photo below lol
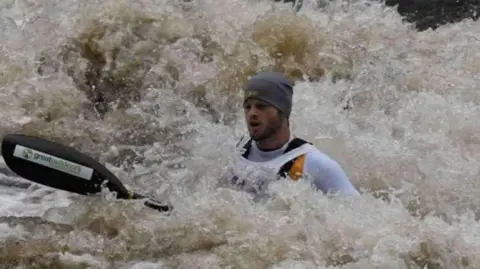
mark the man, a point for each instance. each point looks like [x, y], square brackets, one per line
[272, 148]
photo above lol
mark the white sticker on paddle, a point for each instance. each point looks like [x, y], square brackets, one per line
[53, 162]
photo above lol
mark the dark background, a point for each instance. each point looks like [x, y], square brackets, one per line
[428, 14]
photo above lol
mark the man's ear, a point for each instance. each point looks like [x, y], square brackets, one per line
[283, 116]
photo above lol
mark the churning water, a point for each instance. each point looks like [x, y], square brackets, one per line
[151, 88]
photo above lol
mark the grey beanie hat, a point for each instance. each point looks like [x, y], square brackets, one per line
[273, 88]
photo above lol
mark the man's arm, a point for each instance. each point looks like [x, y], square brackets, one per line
[327, 175]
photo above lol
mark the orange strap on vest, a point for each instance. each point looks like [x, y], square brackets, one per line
[297, 168]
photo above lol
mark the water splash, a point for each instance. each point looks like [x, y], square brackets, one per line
[152, 89]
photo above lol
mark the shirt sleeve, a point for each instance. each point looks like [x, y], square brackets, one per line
[327, 175]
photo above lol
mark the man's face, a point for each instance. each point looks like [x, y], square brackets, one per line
[263, 120]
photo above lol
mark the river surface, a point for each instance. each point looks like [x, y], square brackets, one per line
[151, 89]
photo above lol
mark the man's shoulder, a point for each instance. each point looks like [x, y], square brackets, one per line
[317, 159]
[327, 174]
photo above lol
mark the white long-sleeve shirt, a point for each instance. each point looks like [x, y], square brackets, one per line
[325, 173]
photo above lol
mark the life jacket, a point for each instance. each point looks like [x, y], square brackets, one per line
[290, 163]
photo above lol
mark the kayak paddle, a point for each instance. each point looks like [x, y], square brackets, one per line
[61, 167]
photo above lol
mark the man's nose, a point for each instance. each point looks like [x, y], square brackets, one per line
[252, 111]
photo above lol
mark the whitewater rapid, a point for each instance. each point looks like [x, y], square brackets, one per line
[151, 89]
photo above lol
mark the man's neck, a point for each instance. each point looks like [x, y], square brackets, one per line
[274, 143]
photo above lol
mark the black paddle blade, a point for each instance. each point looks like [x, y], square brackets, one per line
[58, 166]
[61, 167]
